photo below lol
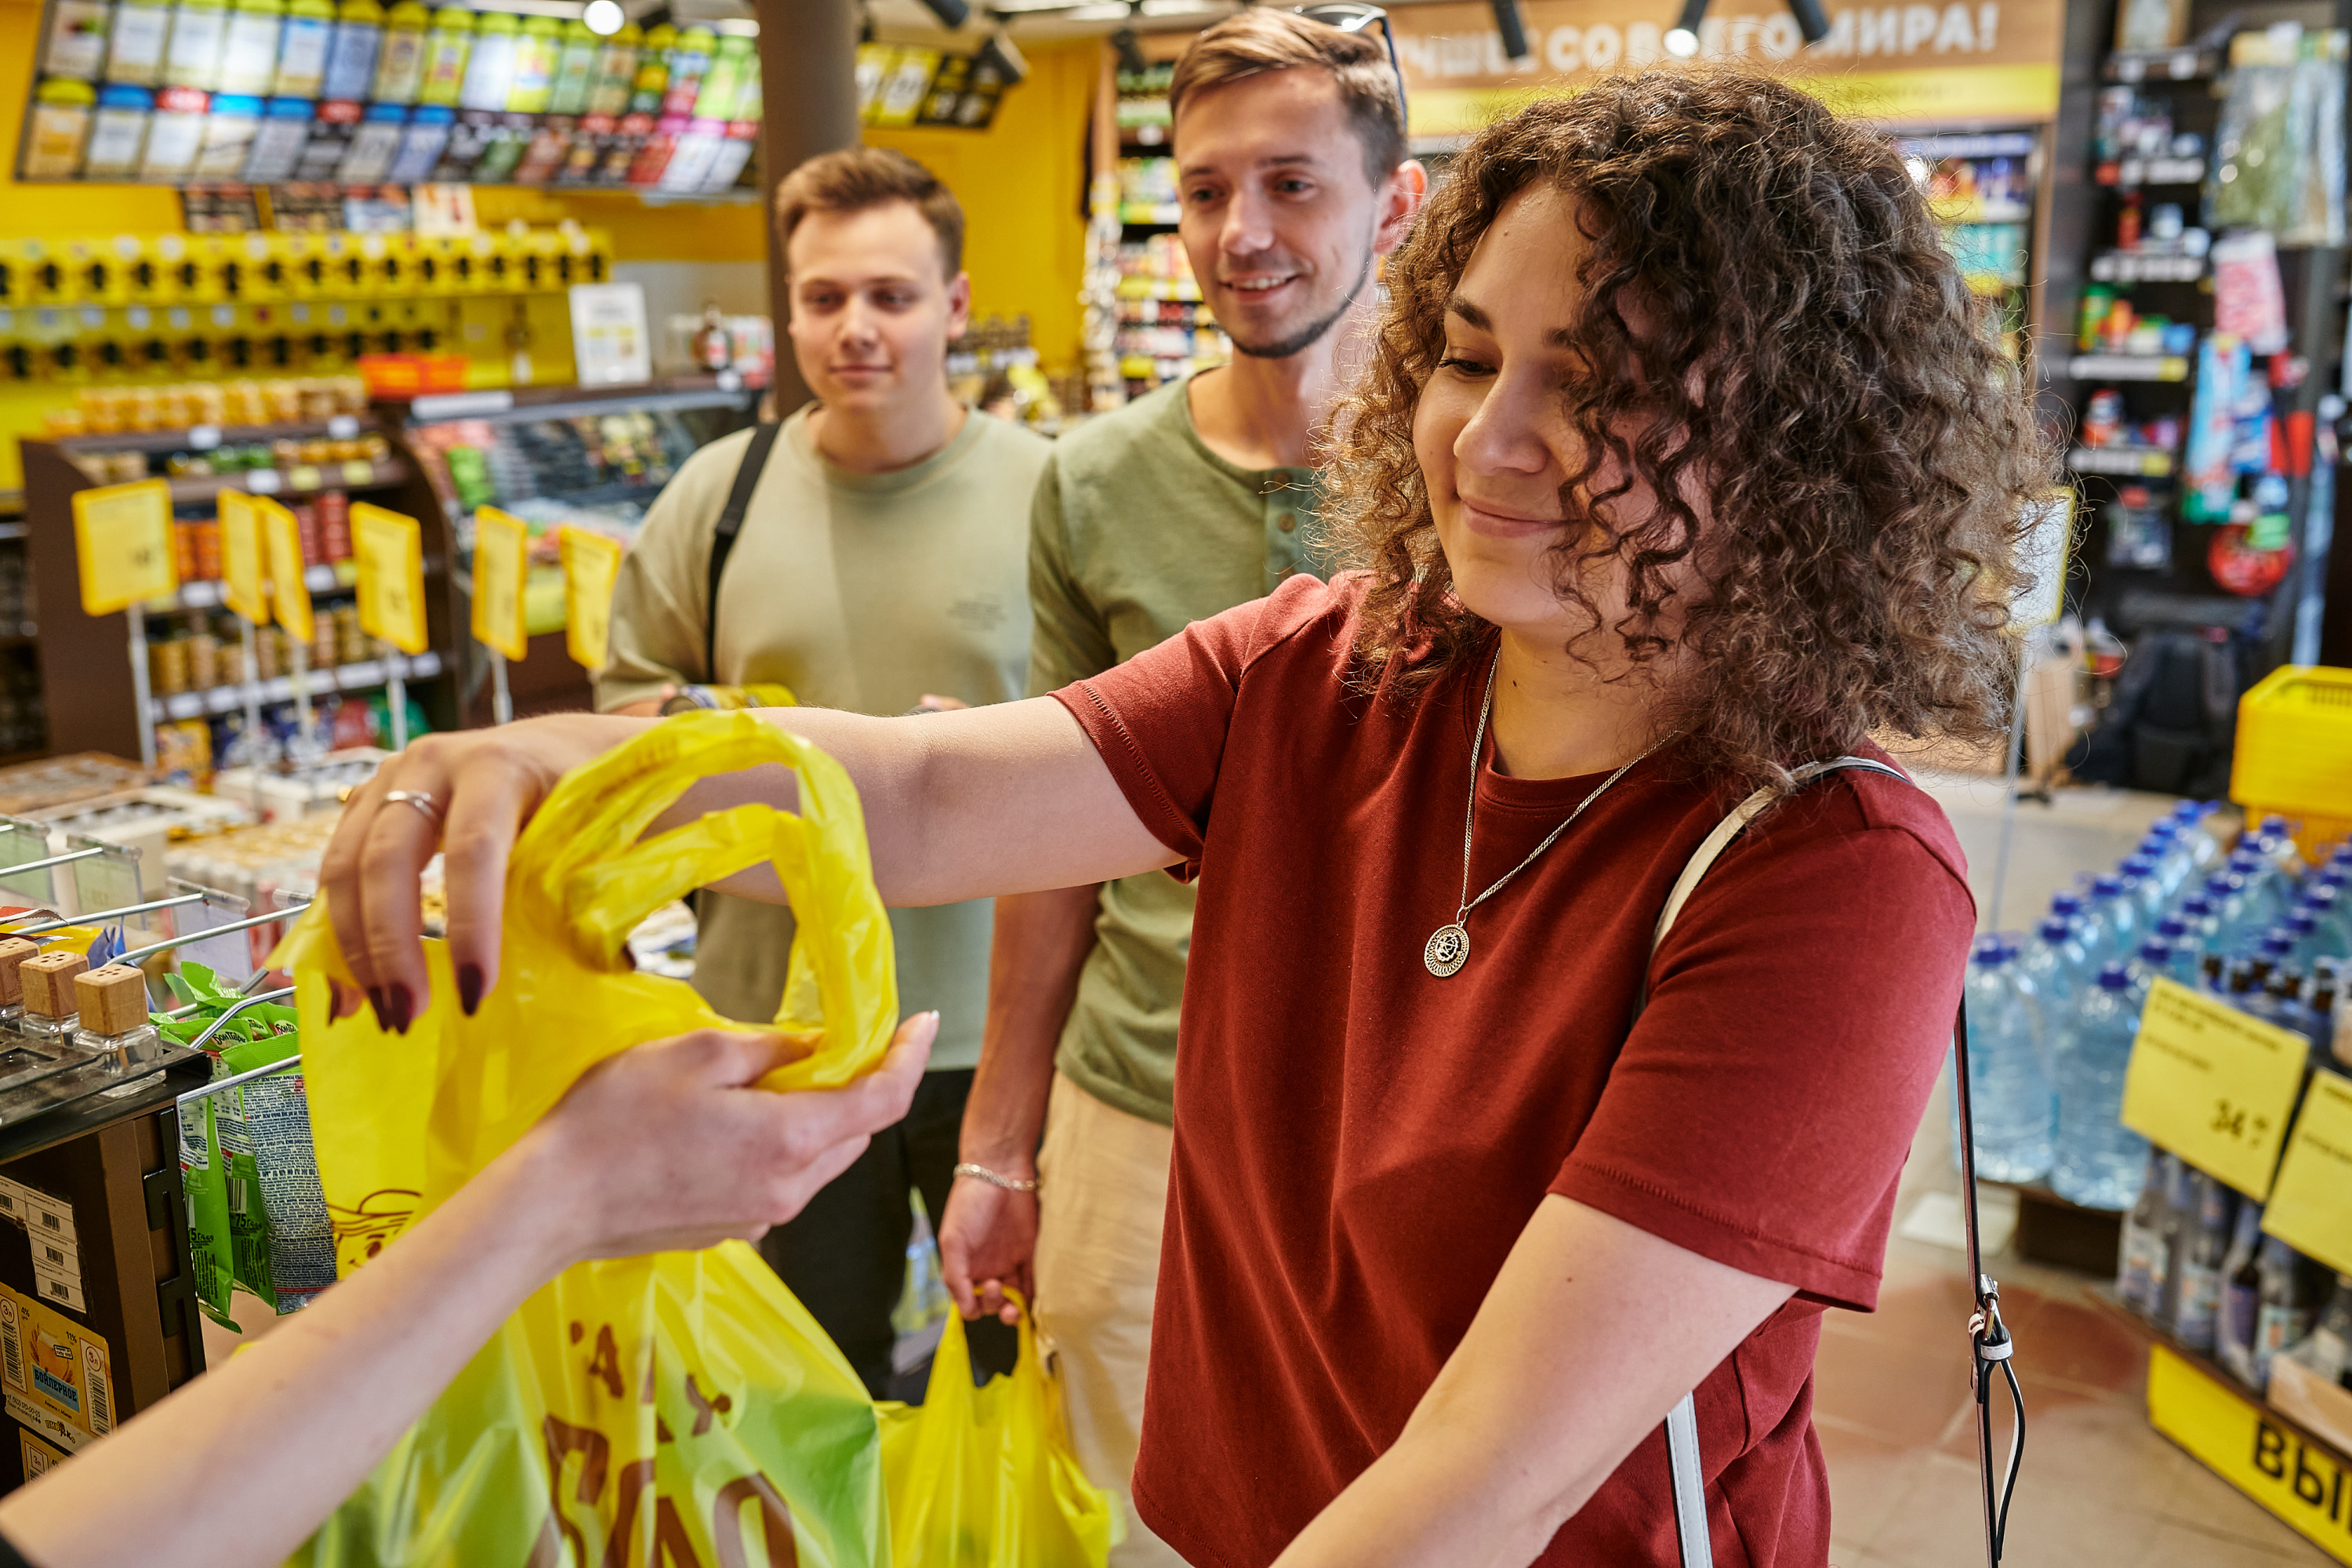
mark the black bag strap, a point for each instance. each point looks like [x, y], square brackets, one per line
[1991, 1347]
[722, 542]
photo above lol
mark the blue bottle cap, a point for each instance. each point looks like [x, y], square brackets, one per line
[2114, 977]
[2300, 923]
[2278, 941]
[2172, 928]
[2065, 906]
[2137, 866]
[2196, 904]
[2056, 931]
[2274, 824]
[1988, 949]
[2153, 952]
[2106, 885]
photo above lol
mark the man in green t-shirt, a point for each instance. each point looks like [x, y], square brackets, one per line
[1289, 144]
[879, 567]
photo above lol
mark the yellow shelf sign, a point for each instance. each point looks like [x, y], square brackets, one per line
[390, 551]
[2299, 1480]
[501, 555]
[591, 563]
[2213, 1085]
[2311, 1203]
[122, 545]
[244, 572]
[281, 536]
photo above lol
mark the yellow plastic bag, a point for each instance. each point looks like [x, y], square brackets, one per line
[681, 1409]
[983, 1477]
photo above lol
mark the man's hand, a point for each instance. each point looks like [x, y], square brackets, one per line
[988, 1238]
[670, 1147]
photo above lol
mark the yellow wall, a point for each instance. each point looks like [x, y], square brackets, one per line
[1023, 185]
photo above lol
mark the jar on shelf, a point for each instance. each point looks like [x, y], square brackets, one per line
[167, 665]
[204, 660]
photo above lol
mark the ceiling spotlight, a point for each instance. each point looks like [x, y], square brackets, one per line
[1681, 39]
[1000, 54]
[1131, 52]
[603, 17]
[1811, 20]
[1513, 30]
[952, 14]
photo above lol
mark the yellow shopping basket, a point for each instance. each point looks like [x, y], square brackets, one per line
[2295, 753]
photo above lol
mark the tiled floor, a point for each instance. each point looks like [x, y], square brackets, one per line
[2098, 1487]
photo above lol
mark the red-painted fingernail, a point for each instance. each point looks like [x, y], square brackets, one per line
[375, 1000]
[398, 1005]
[470, 987]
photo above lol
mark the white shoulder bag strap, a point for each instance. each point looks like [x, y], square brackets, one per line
[1682, 1421]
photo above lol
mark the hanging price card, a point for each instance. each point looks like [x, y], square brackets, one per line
[2311, 1203]
[244, 567]
[501, 555]
[123, 544]
[282, 538]
[2213, 1085]
[390, 552]
[590, 561]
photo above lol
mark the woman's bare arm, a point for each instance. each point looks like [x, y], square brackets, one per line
[1006, 799]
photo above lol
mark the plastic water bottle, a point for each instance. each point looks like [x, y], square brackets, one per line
[2139, 1277]
[2331, 913]
[2009, 1090]
[2110, 928]
[2237, 910]
[2098, 1161]
[2067, 907]
[2139, 872]
[2055, 967]
[2176, 859]
[2197, 836]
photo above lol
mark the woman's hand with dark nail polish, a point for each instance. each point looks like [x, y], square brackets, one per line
[470, 987]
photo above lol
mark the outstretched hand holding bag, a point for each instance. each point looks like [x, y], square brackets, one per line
[681, 1407]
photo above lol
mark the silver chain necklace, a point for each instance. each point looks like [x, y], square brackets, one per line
[1448, 947]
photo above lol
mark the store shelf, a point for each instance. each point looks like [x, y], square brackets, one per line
[2188, 63]
[2133, 266]
[206, 594]
[1958, 210]
[2129, 367]
[366, 676]
[2139, 462]
[205, 437]
[307, 479]
[1181, 290]
[2131, 173]
[1157, 214]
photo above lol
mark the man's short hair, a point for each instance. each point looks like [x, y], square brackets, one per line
[1263, 39]
[857, 178]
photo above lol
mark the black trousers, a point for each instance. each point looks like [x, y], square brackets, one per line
[845, 1255]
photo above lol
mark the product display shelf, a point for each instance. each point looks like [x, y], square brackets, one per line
[1163, 329]
[2276, 1458]
[555, 456]
[86, 679]
[2156, 555]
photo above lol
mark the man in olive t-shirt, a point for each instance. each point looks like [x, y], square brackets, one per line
[1289, 143]
[880, 569]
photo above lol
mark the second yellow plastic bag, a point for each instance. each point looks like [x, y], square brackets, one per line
[681, 1408]
[983, 1477]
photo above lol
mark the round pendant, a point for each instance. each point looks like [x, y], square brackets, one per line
[1446, 951]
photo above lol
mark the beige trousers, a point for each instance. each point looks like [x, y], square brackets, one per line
[1102, 1195]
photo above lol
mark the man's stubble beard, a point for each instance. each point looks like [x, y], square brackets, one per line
[1308, 336]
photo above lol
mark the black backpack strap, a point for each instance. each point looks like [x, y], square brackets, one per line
[722, 542]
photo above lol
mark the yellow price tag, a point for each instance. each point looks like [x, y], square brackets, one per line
[281, 535]
[501, 555]
[244, 570]
[2213, 1085]
[590, 561]
[390, 552]
[2270, 1461]
[123, 544]
[2311, 1203]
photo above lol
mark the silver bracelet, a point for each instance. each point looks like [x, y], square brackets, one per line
[993, 1179]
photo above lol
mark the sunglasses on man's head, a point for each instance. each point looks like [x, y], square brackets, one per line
[1351, 17]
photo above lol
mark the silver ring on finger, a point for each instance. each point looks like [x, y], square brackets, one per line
[422, 800]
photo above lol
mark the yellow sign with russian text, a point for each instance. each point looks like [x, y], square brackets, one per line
[244, 572]
[591, 563]
[281, 532]
[501, 555]
[389, 550]
[2301, 1481]
[2311, 1201]
[2213, 1085]
[122, 545]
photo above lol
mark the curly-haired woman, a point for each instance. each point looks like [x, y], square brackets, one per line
[1684, 461]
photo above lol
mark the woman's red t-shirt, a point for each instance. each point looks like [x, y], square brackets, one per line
[1358, 1143]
